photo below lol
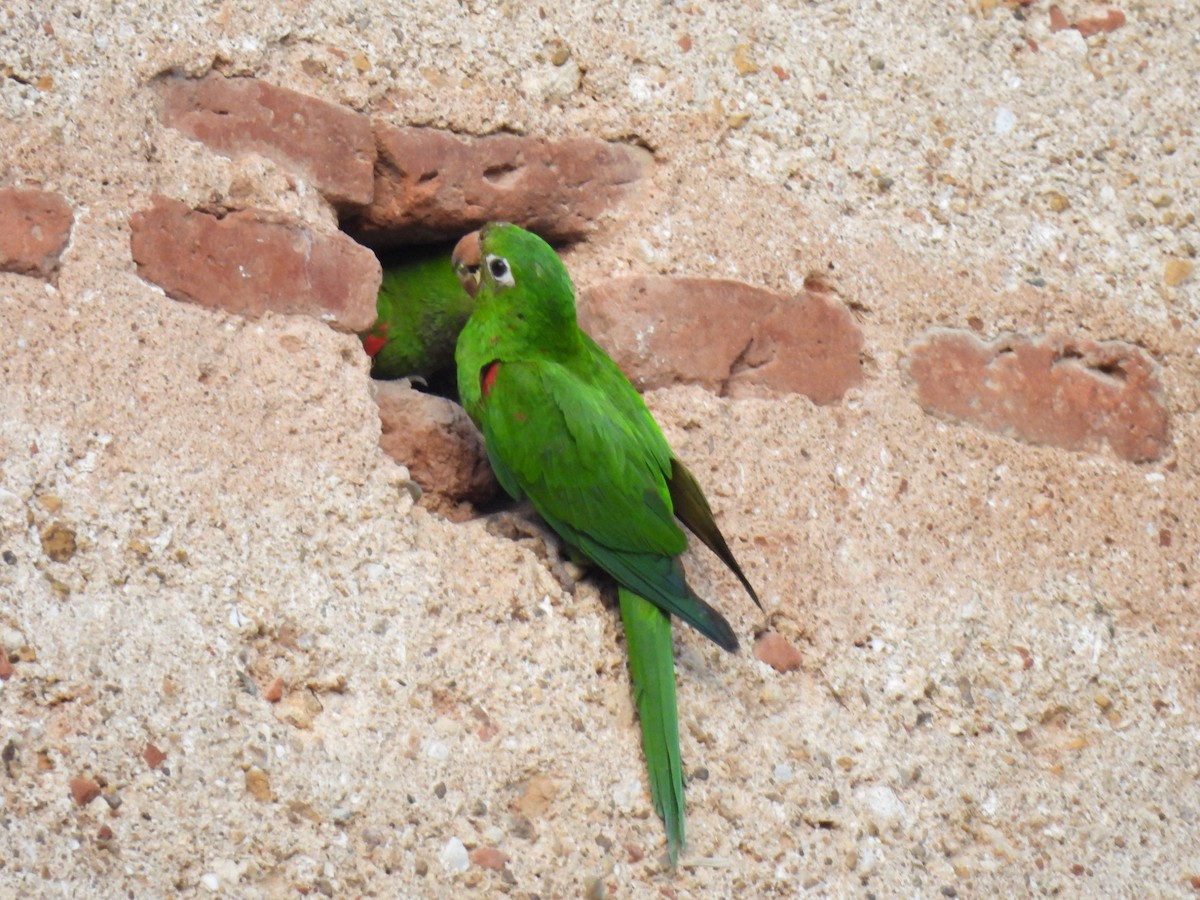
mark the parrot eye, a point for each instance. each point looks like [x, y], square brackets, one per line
[498, 267]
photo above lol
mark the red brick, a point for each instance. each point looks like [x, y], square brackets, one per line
[726, 336]
[1075, 394]
[84, 790]
[442, 449]
[252, 261]
[434, 185]
[34, 229]
[330, 145]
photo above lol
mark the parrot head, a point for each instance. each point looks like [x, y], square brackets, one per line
[502, 259]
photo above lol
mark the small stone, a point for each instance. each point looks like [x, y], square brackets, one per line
[84, 790]
[559, 54]
[1177, 271]
[104, 835]
[1057, 202]
[258, 783]
[274, 691]
[884, 807]
[298, 709]
[454, 857]
[58, 542]
[777, 652]
[743, 60]
[328, 683]
[1004, 121]
[489, 858]
[521, 827]
[539, 793]
[1110, 21]
[1058, 21]
[6, 666]
[153, 756]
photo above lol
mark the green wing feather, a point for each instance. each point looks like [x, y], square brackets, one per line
[600, 484]
[652, 669]
[692, 509]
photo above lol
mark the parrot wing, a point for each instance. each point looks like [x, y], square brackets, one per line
[598, 476]
[687, 498]
[692, 509]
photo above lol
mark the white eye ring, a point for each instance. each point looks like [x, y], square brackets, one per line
[499, 269]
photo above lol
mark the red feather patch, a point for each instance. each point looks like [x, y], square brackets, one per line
[375, 341]
[487, 378]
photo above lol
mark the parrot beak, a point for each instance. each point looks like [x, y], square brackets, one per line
[466, 258]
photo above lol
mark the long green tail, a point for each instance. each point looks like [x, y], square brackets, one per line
[652, 668]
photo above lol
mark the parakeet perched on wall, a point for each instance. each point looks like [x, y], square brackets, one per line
[565, 429]
[420, 310]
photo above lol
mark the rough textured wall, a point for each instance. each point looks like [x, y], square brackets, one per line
[239, 660]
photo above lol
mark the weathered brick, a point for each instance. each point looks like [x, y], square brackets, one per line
[434, 185]
[726, 336]
[35, 226]
[252, 261]
[1075, 394]
[330, 145]
[433, 437]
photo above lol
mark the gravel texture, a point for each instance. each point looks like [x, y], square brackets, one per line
[999, 686]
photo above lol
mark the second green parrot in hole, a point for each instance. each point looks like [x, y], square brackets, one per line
[420, 309]
[566, 429]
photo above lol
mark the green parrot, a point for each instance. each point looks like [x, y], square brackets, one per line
[420, 310]
[565, 428]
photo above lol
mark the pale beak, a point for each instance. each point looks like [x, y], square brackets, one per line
[466, 259]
